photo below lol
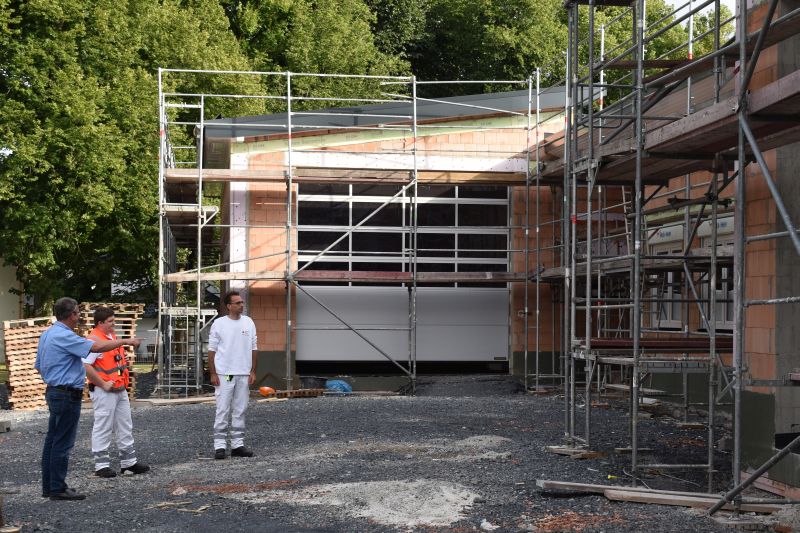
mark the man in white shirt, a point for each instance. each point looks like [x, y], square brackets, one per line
[232, 365]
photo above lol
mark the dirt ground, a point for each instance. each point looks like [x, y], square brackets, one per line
[463, 454]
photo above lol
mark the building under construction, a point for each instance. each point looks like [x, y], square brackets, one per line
[630, 229]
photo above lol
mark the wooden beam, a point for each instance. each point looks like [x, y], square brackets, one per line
[191, 175]
[178, 277]
[547, 484]
[348, 175]
[450, 177]
[701, 502]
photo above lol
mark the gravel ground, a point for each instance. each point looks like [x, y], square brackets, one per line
[462, 455]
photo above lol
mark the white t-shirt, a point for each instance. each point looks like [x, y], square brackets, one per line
[234, 342]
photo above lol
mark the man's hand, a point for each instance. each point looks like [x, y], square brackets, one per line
[107, 386]
[135, 342]
[214, 379]
[252, 378]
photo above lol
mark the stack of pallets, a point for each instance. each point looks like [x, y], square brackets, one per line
[126, 317]
[26, 388]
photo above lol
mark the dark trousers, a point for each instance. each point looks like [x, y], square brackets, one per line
[65, 411]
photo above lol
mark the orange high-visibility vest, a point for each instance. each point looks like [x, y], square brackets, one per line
[112, 366]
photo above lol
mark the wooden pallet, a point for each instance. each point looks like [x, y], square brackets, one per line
[21, 337]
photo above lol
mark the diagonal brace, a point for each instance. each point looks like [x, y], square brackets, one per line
[353, 329]
[776, 195]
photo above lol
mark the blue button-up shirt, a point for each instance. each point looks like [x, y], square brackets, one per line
[58, 358]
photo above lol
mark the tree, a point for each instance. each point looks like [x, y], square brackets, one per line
[671, 43]
[78, 133]
[321, 36]
[399, 25]
[489, 39]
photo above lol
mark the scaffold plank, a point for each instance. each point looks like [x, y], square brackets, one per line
[179, 277]
[690, 345]
[191, 175]
[354, 276]
[711, 130]
[347, 175]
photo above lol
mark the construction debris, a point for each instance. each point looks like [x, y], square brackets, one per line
[272, 400]
[299, 393]
[575, 453]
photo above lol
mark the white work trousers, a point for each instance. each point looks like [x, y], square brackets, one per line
[112, 412]
[232, 397]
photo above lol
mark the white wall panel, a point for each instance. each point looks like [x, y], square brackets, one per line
[454, 324]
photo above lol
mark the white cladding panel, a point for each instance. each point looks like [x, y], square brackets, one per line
[453, 324]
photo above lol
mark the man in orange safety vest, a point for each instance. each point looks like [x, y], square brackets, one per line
[112, 408]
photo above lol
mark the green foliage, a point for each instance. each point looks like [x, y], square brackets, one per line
[79, 111]
[79, 132]
[488, 39]
[399, 26]
[320, 36]
[671, 42]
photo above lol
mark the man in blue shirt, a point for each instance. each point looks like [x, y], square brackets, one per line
[59, 361]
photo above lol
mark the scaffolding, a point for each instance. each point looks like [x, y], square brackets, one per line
[626, 160]
[623, 172]
[189, 216]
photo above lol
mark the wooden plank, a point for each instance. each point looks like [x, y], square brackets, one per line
[627, 388]
[178, 401]
[547, 484]
[700, 502]
[690, 425]
[457, 178]
[772, 486]
[190, 175]
[225, 276]
[574, 453]
[349, 175]
[300, 393]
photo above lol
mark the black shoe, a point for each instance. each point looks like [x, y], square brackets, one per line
[105, 472]
[219, 453]
[69, 494]
[45, 494]
[241, 451]
[137, 468]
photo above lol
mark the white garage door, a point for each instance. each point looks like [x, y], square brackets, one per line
[454, 324]
[459, 229]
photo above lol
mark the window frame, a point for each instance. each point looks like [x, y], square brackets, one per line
[352, 258]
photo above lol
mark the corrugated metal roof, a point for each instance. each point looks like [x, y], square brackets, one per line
[384, 113]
